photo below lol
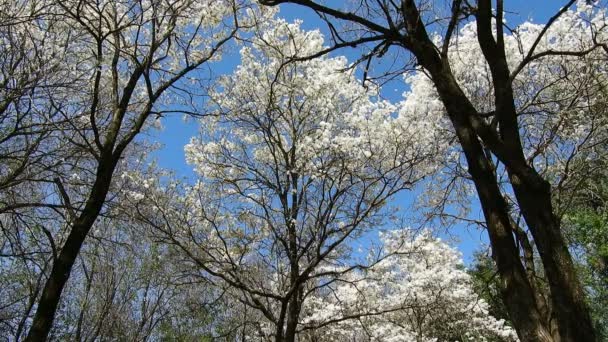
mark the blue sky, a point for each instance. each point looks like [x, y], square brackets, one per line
[176, 133]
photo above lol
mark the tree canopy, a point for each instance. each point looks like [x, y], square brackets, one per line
[292, 226]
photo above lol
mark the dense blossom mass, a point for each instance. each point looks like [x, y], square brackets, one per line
[420, 292]
[303, 159]
[559, 98]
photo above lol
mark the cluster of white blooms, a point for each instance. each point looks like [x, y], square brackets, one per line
[311, 108]
[419, 292]
[296, 148]
[136, 28]
[301, 130]
[123, 38]
[559, 97]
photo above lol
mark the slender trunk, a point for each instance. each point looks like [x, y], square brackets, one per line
[30, 304]
[280, 332]
[62, 267]
[85, 303]
[567, 296]
[293, 310]
[292, 317]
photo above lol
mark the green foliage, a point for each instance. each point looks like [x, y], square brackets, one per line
[586, 227]
[486, 284]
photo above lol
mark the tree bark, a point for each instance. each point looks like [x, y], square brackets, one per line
[532, 192]
[292, 317]
[293, 310]
[567, 296]
[516, 290]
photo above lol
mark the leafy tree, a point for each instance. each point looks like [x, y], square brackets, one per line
[586, 227]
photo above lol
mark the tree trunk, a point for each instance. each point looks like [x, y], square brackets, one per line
[516, 290]
[533, 197]
[293, 310]
[62, 267]
[532, 192]
[292, 317]
[567, 296]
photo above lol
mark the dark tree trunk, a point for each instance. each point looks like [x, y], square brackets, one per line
[62, 267]
[517, 292]
[567, 296]
[280, 331]
[532, 192]
[293, 309]
[292, 317]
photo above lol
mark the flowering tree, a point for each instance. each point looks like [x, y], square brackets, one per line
[125, 285]
[561, 111]
[420, 292]
[122, 63]
[296, 161]
[31, 69]
[29, 73]
[497, 119]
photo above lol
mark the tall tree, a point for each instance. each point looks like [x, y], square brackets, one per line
[119, 61]
[296, 162]
[485, 135]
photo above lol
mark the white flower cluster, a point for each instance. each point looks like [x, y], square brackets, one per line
[559, 97]
[302, 117]
[420, 292]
